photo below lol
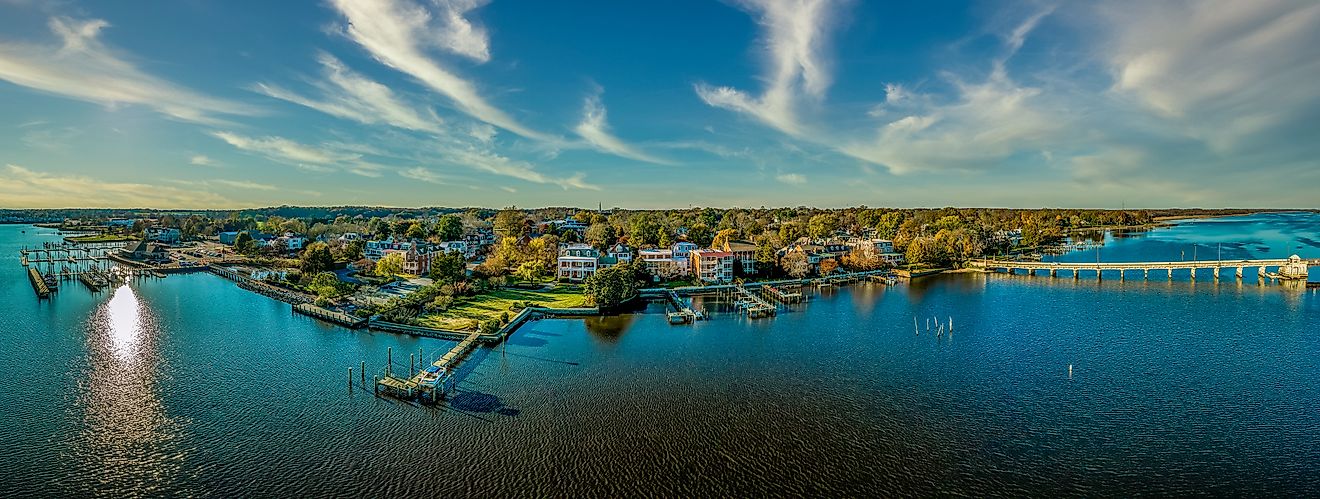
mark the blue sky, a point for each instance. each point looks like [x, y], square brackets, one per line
[659, 104]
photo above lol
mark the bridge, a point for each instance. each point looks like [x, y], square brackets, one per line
[1293, 267]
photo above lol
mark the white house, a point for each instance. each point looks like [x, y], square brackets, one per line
[577, 262]
[166, 235]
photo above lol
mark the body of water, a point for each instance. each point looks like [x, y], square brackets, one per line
[191, 386]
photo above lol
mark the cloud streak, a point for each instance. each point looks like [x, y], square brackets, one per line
[398, 33]
[34, 189]
[81, 67]
[797, 68]
[349, 95]
[596, 131]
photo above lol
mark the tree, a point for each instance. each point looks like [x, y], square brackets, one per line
[643, 229]
[791, 231]
[765, 254]
[822, 226]
[927, 250]
[828, 266]
[601, 235]
[611, 286]
[450, 267]
[390, 265]
[326, 285]
[700, 234]
[316, 258]
[449, 228]
[351, 251]
[722, 238]
[244, 243]
[511, 223]
[416, 231]
[887, 226]
[795, 264]
[530, 270]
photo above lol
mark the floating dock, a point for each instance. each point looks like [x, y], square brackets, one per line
[38, 283]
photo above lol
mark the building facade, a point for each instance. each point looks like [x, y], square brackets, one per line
[710, 265]
[577, 262]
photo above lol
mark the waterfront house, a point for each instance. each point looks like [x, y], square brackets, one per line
[712, 265]
[660, 262]
[577, 262]
[143, 251]
[682, 248]
[620, 252]
[744, 254]
[163, 235]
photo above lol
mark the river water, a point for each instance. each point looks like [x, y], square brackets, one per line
[191, 386]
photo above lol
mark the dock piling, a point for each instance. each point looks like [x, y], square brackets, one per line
[389, 359]
[350, 376]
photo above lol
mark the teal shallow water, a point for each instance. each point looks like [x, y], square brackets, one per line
[192, 386]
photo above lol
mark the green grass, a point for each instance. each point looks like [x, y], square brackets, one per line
[100, 238]
[467, 312]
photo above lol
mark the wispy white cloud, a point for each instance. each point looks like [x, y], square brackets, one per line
[244, 184]
[398, 33]
[596, 131]
[1223, 70]
[81, 67]
[795, 33]
[285, 150]
[792, 178]
[424, 175]
[201, 160]
[349, 95]
[35, 189]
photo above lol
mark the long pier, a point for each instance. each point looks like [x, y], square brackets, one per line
[1286, 268]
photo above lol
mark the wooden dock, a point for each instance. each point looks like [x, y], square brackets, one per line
[330, 316]
[754, 306]
[430, 384]
[781, 295]
[38, 283]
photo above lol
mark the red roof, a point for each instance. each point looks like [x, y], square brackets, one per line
[712, 253]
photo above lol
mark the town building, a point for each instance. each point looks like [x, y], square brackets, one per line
[163, 235]
[143, 251]
[744, 253]
[711, 265]
[460, 247]
[682, 248]
[289, 241]
[620, 252]
[577, 262]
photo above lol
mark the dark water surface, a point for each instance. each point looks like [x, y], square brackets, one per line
[192, 386]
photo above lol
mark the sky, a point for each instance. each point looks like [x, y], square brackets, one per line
[493, 103]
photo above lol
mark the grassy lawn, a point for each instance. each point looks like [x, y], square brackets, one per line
[100, 238]
[467, 312]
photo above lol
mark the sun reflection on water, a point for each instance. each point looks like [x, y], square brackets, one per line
[128, 441]
[125, 323]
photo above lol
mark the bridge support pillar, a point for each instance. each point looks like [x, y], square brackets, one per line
[1216, 273]
[1031, 272]
[1076, 273]
[1145, 274]
[1170, 271]
[1054, 272]
[1239, 272]
[1193, 273]
[1098, 273]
